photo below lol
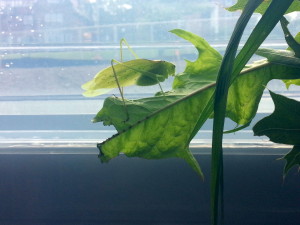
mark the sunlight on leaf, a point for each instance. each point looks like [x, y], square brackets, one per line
[243, 97]
[177, 113]
[279, 56]
[246, 91]
[288, 83]
[194, 86]
[113, 112]
[240, 5]
[198, 74]
[147, 115]
[141, 72]
[163, 134]
[201, 72]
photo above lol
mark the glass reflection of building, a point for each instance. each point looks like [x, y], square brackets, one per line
[80, 21]
[40, 21]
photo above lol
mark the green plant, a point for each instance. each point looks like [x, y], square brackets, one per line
[213, 86]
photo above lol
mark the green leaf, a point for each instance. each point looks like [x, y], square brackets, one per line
[297, 38]
[198, 74]
[283, 125]
[240, 5]
[292, 159]
[114, 113]
[148, 115]
[286, 57]
[265, 25]
[249, 86]
[245, 92]
[164, 134]
[201, 72]
[288, 83]
[169, 105]
[141, 72]
[279, 56]
[290, 40]
[243, 98]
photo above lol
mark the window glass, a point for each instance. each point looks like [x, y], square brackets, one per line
[49, 48]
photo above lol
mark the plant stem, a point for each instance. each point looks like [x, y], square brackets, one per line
[222, 86]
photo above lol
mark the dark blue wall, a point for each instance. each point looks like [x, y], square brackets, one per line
[78, 189]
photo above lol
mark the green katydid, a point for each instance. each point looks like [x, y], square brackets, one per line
[141, 72]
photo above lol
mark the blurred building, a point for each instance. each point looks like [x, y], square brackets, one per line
[47, 22]
[41, 22]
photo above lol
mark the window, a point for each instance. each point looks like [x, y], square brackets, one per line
[53, 18]
[53, 1]
[28, 20]
[50, 48]
[49, 169]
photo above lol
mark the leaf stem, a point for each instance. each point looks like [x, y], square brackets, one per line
[221, 93]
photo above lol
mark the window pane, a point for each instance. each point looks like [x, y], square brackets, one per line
[49, 48]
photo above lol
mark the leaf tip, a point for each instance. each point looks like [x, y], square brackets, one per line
[103, 158]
